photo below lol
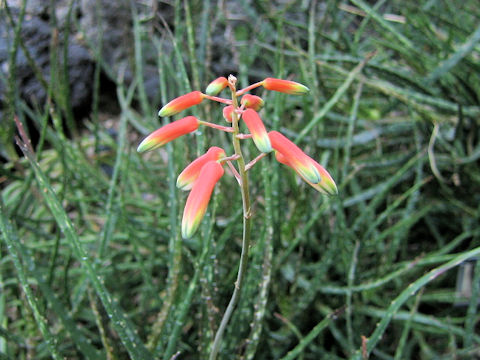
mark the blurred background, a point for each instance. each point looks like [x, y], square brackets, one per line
[92, 263]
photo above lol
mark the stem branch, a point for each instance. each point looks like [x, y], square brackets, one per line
[215, 126]
[218, 99]
[248, 88]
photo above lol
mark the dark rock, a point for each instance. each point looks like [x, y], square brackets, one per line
[113, 20]
[36, 35]
[110, 20]
[37, 8]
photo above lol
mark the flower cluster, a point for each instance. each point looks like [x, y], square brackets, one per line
[203, 173]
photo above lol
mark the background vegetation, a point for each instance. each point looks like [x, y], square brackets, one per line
[92, 265]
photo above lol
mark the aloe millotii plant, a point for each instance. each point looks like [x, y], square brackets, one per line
[203, 173]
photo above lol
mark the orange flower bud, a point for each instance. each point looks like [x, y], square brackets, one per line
[257, 129]
[181, 103]
[285, 86]
[325, 186]
[199, 197]
[216, 86]
[296, 158]
[252, 102]
[227, 112]
[188, 176]
[168, 133]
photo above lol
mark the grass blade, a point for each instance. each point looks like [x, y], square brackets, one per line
[121, 324]
[334, 99]
[410, 291]
[10, 239]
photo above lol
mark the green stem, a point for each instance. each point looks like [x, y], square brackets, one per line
[246, 228]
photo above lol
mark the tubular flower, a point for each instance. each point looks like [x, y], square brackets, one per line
[252, 102]
[297, 159]
[227, 113]
[181, 103]
[325, 186]
[257, 129]
[216, 86]
[285, 86]
[188, 176]
[199, 197]
[168, 133]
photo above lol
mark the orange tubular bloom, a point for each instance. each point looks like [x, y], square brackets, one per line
[325, 186]
[257, 129]
[297, 159]
[285, 86]
[181, 103]
[168, 133]
[199, 197]
[252, 102]
[188, 176]
[227, 113]
[216, 86]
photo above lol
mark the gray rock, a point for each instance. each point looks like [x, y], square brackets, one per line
[36, 35]
[113, 20]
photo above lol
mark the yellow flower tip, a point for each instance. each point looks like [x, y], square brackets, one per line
[330, 188]
[326, 185]
[168, 133]
[181, 103]
[216, 86]
[285, 86]
[252, 102]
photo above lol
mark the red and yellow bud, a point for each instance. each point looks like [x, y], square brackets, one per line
[325, 186]
[257, 129]
[252, 102]
[188, 176]
[181, 103]
[199, 197]
[285, 86]
[216, 86]
[168, 133]
[297, 159]
[227, 113]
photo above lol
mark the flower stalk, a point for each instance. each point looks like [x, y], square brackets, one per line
[201, 176]
[247, 220]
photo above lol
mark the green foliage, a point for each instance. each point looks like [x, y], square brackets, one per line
[92, 264]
